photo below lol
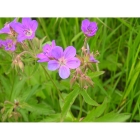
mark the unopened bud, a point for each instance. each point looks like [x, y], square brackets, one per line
[18, 63]
[85, 87]
[78, 71]
[21, 66]
[89, 81]
[2, 110]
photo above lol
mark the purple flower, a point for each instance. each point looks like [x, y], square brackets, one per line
[89, 28]
[63, 60]
[26, 29]
[6, 29]
[9, 45]
[92, 59]
[45, 56]
[1, 43]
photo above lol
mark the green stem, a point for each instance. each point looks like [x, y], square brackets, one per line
[53, 84]
[97, 67]
[81, 103]
[26, 52]
[32, 46]
[12, 85]
[85, 42]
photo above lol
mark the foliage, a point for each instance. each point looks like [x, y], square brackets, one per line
[30, 92]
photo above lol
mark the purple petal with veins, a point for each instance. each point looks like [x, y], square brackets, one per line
[69, 52]
[64, 72]
[53, 65]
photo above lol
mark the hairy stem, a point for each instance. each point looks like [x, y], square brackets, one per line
[53, 83]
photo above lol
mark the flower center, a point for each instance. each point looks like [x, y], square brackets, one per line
[28, 32]
[62, 61]
[89, 30]
[10, 44]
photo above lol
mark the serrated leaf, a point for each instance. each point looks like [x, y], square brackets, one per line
[88, 99]
[24, 114]
[40, 108]
[18, 89]
[36, 67]
[5, 82]
[32, 92]
[68, 102]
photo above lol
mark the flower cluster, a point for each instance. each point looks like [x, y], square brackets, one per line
[59, 59]
[18, 32]
[87, 59]
[55, 56]
[64, 60]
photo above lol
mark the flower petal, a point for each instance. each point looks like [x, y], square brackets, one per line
[94, 28]
[93, 25]
[21, 37]
[5, 30]
[92, 59]
[46, 48]
[1, 43]
[26, 22]
[57, 52]
[53, 44]
[85, 24]
[53, 65]
[43, 60]
[33, 25]
[73, 63]
[41, 55]
[69, 52]
[64, 72]
[18, 27]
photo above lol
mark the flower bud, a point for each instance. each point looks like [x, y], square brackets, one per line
[17, 63]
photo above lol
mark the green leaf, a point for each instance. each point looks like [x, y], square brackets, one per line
[48, 42]
[18, 89]
[32, 92]
[40, 108]
[68, 102]
[88, 99]
[96, 74]
[132, 82]
[52, 118]
[42, 40]
[100, 85]
[36, 67]
[94, 113]
[5, 82]
[76, 37]
[63, 38]
[113, 117]
[24, 114]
